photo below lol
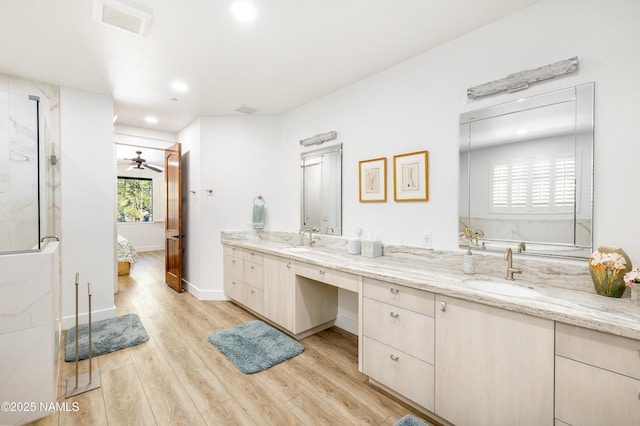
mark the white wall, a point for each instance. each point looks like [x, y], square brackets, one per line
[191, 227]
[238, 160]
[415, 106]
[87, 203]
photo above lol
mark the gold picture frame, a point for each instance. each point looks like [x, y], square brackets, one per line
[373, 180]
[411, 176]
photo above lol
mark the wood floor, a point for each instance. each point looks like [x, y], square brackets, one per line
[178, 377]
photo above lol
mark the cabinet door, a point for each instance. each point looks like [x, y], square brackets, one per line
[588, 395]
[492, 366]
[279, 284]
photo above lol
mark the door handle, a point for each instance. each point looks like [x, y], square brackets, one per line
[178, 236]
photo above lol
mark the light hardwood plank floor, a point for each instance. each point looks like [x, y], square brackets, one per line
[179, 378]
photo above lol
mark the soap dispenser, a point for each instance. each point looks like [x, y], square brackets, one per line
[469, 262]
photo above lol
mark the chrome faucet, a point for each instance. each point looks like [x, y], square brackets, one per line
[310, 230]
[508, 256]
[522, 247]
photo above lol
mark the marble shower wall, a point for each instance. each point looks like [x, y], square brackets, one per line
[19, 162]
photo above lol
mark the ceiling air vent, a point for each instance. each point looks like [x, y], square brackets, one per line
[246, 109]
[123, 15]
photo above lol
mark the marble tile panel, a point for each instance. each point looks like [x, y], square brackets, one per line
[23, 128]
[4, 126]
[25, 285]
[23, 189]
[24, 376]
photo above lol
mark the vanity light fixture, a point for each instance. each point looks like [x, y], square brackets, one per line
[151, 119]
[244, 11]
[521, 80]
[320, 138]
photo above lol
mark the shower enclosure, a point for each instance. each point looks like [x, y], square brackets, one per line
[21, 171]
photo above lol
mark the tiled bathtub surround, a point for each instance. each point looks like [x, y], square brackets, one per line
[565, 292]
[19, 161]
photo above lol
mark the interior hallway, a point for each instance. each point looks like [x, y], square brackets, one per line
[178, 377]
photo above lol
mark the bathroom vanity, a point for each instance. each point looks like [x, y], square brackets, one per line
[525, 352]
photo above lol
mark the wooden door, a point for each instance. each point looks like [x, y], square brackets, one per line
[173, 227]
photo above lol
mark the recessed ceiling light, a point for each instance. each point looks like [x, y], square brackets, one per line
[151, 119]
[244, 11]
[179, 86]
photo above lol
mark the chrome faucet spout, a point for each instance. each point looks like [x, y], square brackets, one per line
[508, 256]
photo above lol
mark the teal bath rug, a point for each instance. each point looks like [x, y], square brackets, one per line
[410, 421]
[108, 335]
[255, 346]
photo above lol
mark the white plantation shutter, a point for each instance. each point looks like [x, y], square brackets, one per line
[534, 185]
[499, 184]
[519, 179]
[565, 180]
[541, 182]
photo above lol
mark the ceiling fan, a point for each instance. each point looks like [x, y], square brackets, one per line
[141, 164]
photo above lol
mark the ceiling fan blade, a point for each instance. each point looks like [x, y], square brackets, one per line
[154, 168]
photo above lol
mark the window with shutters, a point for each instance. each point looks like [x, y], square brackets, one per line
[533, 185]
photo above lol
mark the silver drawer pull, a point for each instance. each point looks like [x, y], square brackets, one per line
[322, 272]
[233, 282]
[253, 291]
[252, 254]
[394, 290]
[393, 357]
[253, 267]
[443, 306]
[289, 265]
[233, 261]
[394, 315]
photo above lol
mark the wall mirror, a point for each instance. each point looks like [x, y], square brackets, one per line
[321, 198]
[526, 175]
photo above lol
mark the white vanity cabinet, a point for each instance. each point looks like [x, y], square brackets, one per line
[597, 378]
[492, 366]
[398, 339]
[280, 279]
[244, 277]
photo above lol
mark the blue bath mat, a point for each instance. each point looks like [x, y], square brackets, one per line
[108, 335]
[255, 346]
[410, 421]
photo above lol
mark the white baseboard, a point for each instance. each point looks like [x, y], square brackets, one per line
[347, 324]
[83, 318]
[203, 294]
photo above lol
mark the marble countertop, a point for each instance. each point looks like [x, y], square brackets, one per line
[441, 272]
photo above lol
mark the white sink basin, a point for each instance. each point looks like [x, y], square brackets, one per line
[503, 288]
[297, 249]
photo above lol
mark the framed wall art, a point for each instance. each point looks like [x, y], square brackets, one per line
[373, 180]
[411, 176]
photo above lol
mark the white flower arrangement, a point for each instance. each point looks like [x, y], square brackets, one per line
[631, 277]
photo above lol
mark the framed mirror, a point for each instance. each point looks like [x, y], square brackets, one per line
[526, 175]
[321, 198]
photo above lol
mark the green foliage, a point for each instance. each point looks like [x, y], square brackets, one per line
[135, 199]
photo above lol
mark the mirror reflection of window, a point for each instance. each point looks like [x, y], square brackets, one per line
[526, 172]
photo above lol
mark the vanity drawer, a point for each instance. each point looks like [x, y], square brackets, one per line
[613, 353]
[234, 251]
[409, 376]
[400, 328]
[233, 288]
[254, 299]
[253, 274]
[587, 395]
[328, 276]
[405, 297]
[254, 256]
[233, 266]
